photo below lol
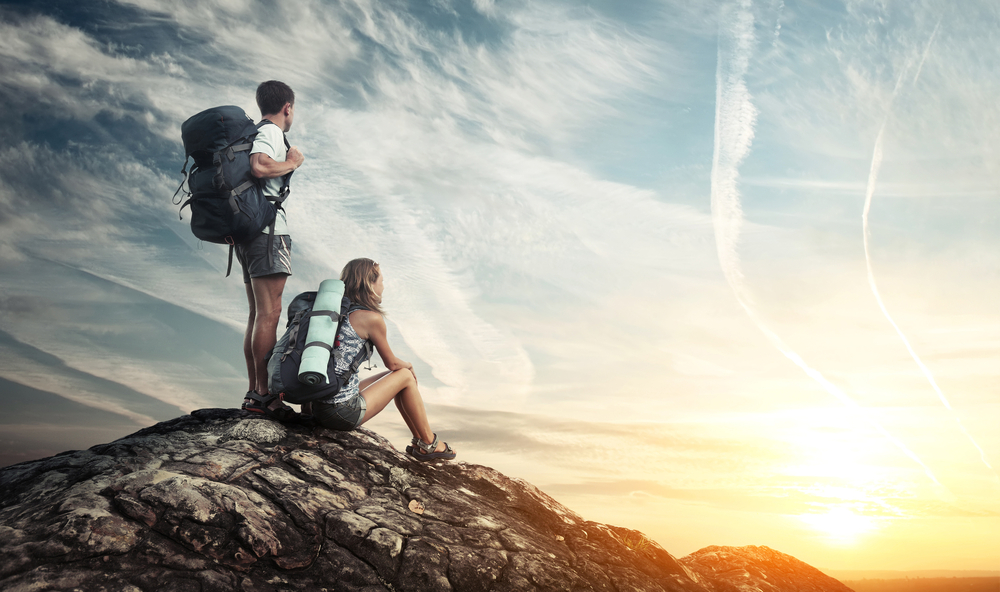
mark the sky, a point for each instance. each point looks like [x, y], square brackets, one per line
[724, 272]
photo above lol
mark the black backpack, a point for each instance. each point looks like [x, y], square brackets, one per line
[283, 364]
[228, 205]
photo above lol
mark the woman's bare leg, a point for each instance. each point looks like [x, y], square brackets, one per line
[401, 386]
[397, 400]
[372, 380]
[307, 407]
[402, 412]
[368, 382]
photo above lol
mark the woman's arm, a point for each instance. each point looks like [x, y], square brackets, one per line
[372, 324]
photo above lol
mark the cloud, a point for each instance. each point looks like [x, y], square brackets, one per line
[579, 462]
[52, 378]
[479, 98]
[99, 336]
[40, 423]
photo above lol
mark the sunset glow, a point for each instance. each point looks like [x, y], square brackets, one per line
[840, 525]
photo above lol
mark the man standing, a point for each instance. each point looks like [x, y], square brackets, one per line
[271, 159]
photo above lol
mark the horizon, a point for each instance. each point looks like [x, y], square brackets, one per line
[920, 573]
[724, 272]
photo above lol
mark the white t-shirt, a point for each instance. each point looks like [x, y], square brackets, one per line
[271, 141]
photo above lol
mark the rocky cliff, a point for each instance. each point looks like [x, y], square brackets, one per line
[217, 500]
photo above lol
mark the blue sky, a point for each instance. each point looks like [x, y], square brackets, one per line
[623, 245]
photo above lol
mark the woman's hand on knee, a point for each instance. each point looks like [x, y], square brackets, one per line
[406, 374]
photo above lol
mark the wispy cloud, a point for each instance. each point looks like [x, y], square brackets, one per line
[866, 233]
[734, 131]
[479, 98]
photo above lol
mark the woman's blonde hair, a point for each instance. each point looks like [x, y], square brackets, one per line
[359, 277]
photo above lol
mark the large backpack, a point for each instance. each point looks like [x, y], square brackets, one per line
[283, 364]
[228, 205]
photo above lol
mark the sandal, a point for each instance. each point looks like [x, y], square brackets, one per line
[262, 404]
[427, 450]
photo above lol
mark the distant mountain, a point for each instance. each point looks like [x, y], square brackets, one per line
[757, 569]
[221, 500]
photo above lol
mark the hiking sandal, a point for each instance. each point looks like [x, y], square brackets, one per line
[261, 404]
[427, 450]
[245, 397]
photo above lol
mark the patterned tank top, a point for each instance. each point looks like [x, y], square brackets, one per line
[350, 345]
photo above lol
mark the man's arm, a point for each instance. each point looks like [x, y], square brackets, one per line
[264, 167]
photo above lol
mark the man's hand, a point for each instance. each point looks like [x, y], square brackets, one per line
[295, 157]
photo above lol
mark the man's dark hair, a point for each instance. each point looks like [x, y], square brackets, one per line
[272, 96]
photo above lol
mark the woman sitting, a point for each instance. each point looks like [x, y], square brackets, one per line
[361, 400]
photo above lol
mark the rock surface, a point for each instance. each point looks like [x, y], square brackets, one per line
[757, 569]
[217, 500]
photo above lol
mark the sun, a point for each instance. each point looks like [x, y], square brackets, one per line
[840, 524]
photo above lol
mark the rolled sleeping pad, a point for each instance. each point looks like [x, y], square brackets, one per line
[322, 334]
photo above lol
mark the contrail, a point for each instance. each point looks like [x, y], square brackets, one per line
[735, 118]
[869, 192]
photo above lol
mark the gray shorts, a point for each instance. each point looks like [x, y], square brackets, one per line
[343, 416]
[253, 257]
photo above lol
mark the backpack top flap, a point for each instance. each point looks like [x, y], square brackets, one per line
[213, 129]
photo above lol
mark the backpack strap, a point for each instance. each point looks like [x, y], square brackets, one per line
[184, 173]
[324, 313]
[285, 179]
[361, 358]
[293, 333]
[232, 249]
[284, 191]
[365, 353]
[277, 201]
[240, 189]
[174, 199]
[231, 150]
[180, 212]
[334, 316]
[352, 369]
[322, 344]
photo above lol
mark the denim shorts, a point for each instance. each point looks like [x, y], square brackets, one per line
[253, 256]
[343, 416]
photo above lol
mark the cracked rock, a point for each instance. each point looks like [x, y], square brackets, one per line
[224, 500]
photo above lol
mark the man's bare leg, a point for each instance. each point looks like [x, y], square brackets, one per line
[266, 292]
[247, 340]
